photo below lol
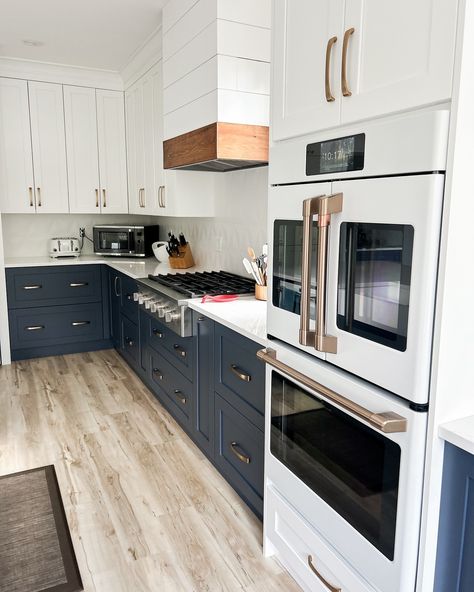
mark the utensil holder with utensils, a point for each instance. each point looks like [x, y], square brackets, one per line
[260, 292]
[183, 259]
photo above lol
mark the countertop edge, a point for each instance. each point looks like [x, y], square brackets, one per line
[459, 432]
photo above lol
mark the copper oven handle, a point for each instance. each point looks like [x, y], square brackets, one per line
[240, 455]
[327, 81]
[96, 198]
[329, 586]
[387, 422]
[104, 202]
[344, 86]
[240, 373]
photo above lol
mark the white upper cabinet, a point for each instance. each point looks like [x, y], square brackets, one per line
[307, 49]
[16, 165]
[153, 139]
[388, 57]
[49, 147]
[112, 152]
[82, 152]
[400, 55]
[135, 147]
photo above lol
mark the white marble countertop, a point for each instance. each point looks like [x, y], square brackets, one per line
[459, 432]
[246, 316]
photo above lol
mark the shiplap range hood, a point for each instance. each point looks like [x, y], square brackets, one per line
[216, 78]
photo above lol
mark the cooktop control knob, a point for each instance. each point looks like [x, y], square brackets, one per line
[162, 310]
[172, 315]
[136, 296]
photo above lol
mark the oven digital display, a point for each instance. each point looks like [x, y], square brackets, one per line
[336, 156]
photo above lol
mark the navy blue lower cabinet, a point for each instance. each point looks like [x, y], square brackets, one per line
[455, 557]
[239, 452]
[130, 346]
[115, 295]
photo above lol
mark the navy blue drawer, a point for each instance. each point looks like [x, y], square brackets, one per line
[46, 286]
[178, 389]
[239, 448]
[129, 307]
[181, 349]
[44, 326]
[239, 375]
[130, 340]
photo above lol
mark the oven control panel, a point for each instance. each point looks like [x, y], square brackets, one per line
[175, 314]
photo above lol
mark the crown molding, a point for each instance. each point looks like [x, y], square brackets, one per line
[146, 56]
[59, 73]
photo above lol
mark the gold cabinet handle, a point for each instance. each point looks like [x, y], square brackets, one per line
[329, 96]
[158, 333]
[80, 323]
[240, 455]
[96, 198]
[129, 341]
[322, 206]
[329, 586]
[35, 328]
[30, 193]
[163, 197]
[180, 396]
[179, 350]
[344, 86]
[104, 200]
[157, 373]
[387, 421]
[78, 284]
[141, 197]
[160, 204]
[240, 373]
[33, 287]
[38, 191]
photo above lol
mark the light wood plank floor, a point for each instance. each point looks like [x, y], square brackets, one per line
[146, 510]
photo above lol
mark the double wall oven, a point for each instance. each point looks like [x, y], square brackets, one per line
[354, 227]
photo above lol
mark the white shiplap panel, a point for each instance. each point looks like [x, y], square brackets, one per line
[197, 83]
[246, 11]
[192, 23]
[192, 116]
[240, 107]
[243, 41]
[244, 75]
[174, 10]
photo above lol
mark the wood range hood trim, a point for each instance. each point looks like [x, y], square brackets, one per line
[218, 147]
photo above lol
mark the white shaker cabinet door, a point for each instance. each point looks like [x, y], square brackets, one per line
[16, 166]
[135, 147]
[306, 62]
[399, 56]
[112, 152]
[81, 144]
[153, 139]
[49, 147]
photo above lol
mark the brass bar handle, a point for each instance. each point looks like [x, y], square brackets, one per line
[387, 422]
[35, 328]
[38, 191]
[158, 333]
[157, 373]
[240, 373]
[329, 96]
[163, 196]
[30, 193]
[141, 197]
[344, 86]
[129, 341]
[178, 349]
[182, 398]
[160, 204]
[104, 200]
[33, 287]
[80, 323]
[96, 198]
[240, 455]
[78, 284]
[329, 586]
[116, 279]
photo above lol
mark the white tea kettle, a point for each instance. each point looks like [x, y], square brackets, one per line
[160, 252]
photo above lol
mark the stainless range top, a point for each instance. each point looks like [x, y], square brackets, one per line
[165, 296]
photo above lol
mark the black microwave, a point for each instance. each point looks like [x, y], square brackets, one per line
[124, 241]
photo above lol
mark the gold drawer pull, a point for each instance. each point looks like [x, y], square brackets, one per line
[179, 350]
[30, 193]
[320, 577]
[345, 87]
[158, 333]
[129, 341]
[157, 372]
[80, 323]
[78, 284]
[104, 203]
[182, 398]
[38, 189]
[329, 96]
[35, 328]
[240, 455]
[34, 287]
[240, 373]
[96, 198]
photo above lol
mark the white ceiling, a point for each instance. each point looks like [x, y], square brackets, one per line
[91, 33]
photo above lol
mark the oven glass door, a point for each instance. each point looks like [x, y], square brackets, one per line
[353, 468]
[116, 241]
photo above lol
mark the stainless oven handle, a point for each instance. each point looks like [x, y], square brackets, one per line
[387, 422]
[322, 206]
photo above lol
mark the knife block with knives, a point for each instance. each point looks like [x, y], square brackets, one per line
[179, 252]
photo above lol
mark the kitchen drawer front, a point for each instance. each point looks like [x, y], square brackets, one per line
[298, 545]
[51, 325]
[239, 451]
[47, 286]
[180, 349]
[130, 340]
[129, 307]
[239, 375]
[178, 389]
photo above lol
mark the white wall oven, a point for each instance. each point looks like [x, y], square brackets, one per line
[354, 260]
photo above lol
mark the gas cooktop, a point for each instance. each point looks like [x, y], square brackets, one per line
[195, 285]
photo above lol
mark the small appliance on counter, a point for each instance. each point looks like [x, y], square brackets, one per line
[124, 241]
[64, 247]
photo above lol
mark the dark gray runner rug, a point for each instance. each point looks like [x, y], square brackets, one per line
[36, 553]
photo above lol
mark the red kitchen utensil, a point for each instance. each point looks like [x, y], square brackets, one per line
[219, 298]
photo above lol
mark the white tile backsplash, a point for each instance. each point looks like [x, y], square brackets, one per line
[240, 221]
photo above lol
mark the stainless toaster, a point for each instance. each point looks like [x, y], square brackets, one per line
[64, 247]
